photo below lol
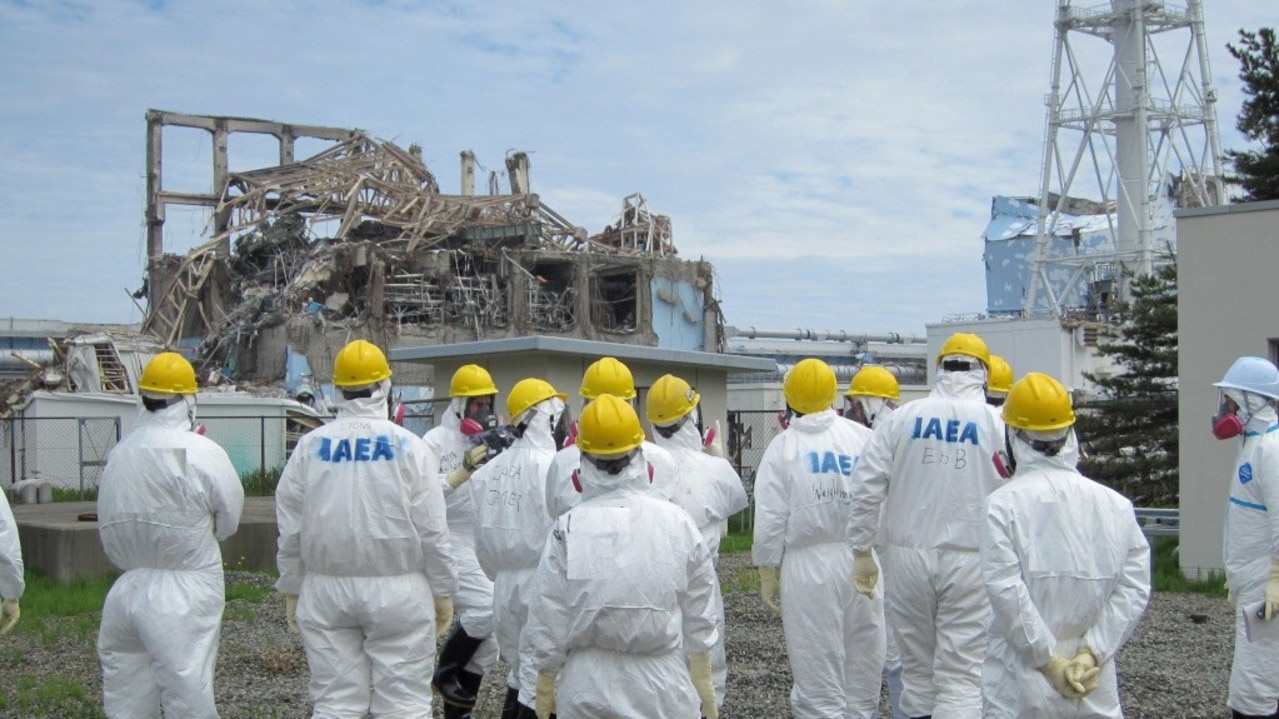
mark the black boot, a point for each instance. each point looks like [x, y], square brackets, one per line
[451, 663]
[471, 684]
[523, 712]
[1237, 715]
[511, 707]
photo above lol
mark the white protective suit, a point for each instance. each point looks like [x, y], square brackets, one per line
[167, 497]
[834, 635]
[710, 491]
[12, 582]
[930, 461]
[364, 545]
[627, 587]
[562, 496]
[1252, 543]
[473, 603]
[1065, 564]
[511, 524]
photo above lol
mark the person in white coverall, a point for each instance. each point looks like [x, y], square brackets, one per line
[627, 614]
[363, 556]
[834, 635]
[606, 375]
[873, 394]
[1249, 392]
[706, 486]
[1066, 568]
[166, 498]
[469, 649]
[511, 523]
[12, 581]
[931, 462]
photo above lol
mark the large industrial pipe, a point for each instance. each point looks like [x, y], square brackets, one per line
[751, 333]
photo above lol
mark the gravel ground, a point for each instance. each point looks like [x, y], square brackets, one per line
[1177, 664]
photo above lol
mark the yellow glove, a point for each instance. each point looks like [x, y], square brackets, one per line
[1272, 592]
[472, 459]
[716, 446]
[865, 573]
[1083, 670]
[769, 590]
[9, 614]
[699, 668]
[291, 612]
[443, 615]
[544, 699]
[1055, 671]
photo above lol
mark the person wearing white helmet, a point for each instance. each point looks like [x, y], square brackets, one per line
[930, 463]
[834, 635]
[511, 524]
[1066, 569]
[627, 618]
[363, 551]
[469, 649]
[167, 497]
[1247, 410]
[606, 375]
[706, 486]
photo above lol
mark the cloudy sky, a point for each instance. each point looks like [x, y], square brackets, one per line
[834, 159]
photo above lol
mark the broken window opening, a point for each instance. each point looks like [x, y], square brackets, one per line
[551, 297]
[614, 300]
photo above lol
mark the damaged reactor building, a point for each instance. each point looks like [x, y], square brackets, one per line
[358, 240]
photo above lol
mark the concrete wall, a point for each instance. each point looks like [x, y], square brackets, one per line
[1227, 295]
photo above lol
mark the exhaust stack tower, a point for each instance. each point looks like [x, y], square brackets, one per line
[1136, 131]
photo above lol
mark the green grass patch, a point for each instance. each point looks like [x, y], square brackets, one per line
[1166, 576]
[746, 580]
[56, 696]
[736, 542]
[261, 483]
[238, 613]
[248, 592]
[62, 494]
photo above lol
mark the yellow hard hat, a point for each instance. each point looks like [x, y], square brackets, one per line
[607, 375]
[874, 381]
[1001, 375]
[609, 426]
[669, 399]
[360, 363]
[964, 343]
[810, 386]
[528, 392]
[471, 380]
[168, 373]
[1038, 403]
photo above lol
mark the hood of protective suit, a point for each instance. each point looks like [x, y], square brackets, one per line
[541, 418]
[372, 407]
[1256, 412]
[816, 422]
[1028, 458]
[453, 415]
[686, 437]
[179, 415]
[596, 482]
[962, 385]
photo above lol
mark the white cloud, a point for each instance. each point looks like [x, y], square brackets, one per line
[851, 147]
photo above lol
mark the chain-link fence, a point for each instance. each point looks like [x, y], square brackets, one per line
[749, 433]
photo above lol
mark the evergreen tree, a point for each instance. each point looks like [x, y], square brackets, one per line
[1130, 434]
[1258, 171]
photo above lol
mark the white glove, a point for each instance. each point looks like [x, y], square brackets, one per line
[443, 615]
[715, 447]
[291, 612]
[9, 614]
[865, 573]
[472, 459]
[769, 589]
[699, 668]
[544, 698]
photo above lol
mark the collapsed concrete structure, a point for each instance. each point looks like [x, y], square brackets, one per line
[358, 240]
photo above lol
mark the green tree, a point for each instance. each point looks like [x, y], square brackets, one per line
[1130, 433]
[1258, 171]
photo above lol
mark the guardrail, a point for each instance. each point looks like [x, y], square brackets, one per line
[1159, 522]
